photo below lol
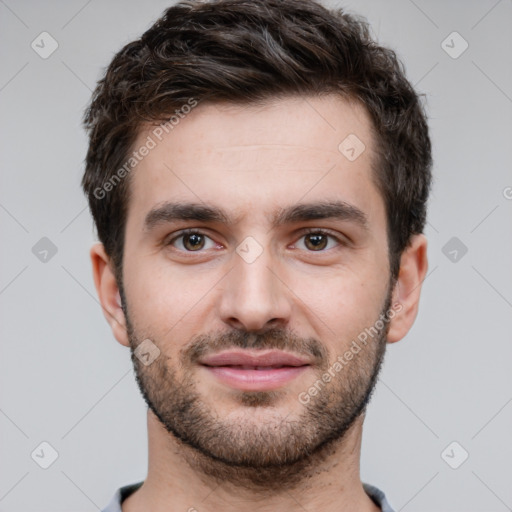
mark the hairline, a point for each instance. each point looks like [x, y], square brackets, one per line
[377, 157]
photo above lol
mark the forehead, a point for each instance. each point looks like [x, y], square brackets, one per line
[264, 157]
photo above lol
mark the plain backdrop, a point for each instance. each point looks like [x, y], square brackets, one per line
[65, 381]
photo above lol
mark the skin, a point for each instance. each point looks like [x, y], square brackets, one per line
[251, 161]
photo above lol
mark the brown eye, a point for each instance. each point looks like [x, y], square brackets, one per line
[316, 241]
[319, 240]
[193, 242]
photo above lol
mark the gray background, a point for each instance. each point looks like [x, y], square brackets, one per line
[66, 381]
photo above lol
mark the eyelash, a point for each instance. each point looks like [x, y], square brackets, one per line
[305, 232]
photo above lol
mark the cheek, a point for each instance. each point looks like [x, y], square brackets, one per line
[160, 295]
[341, 306]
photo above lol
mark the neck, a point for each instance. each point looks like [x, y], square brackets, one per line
[179, 478]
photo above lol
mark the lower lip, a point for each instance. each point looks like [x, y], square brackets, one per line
[255, 380]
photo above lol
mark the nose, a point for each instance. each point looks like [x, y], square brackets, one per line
[254, 297]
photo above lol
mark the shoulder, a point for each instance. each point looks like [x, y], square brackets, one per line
[120, 495]
[378, 497]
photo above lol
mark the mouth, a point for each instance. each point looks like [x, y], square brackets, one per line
[255, 370]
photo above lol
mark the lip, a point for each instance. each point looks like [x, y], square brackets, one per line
[254, 358]
[255, 370]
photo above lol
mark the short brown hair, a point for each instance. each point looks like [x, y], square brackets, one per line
[247, 51]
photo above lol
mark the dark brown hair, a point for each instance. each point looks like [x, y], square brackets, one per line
[249, 51]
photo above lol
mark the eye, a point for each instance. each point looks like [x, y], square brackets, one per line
[192, 241]
[318, 240]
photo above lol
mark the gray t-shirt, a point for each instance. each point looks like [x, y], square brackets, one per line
[122, 493]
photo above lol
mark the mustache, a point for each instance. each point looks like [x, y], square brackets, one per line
[275, 338]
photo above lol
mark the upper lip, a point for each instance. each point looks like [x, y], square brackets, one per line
[253, 358]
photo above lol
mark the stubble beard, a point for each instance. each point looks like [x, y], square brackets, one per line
[280, 453]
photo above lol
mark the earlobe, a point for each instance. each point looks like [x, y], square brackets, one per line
[108, 292]
[407, 290]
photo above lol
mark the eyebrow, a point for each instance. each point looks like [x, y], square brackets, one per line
[187, 211]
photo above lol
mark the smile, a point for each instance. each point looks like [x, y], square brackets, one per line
[255, 378]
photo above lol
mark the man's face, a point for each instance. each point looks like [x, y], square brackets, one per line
[294, 261]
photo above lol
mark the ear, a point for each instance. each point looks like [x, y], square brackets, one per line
[108, 293]
[406, 293]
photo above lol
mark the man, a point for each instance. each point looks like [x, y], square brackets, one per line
[258, 173]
